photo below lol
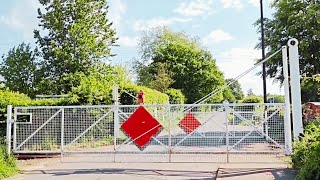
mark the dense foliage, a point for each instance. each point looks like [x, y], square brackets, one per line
[78, 35]
[17, 99]
[175, 96]
[253, 99]
[193, 68]
[152, 96]
[275, 98]
[236, 89]
[229, 95]
[298, 19]
[310, 89]
[306, 153]
[19, 69]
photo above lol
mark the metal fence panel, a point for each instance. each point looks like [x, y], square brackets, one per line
[160, 133]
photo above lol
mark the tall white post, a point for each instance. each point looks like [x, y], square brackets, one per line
[287, 117]
[295, 87]
[9, 122]
[226, 109]
[62, 135]
[115, 98]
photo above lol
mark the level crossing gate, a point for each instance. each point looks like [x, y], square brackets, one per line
[199, 132]
[156, 133]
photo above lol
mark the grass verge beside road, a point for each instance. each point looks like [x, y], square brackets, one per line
[8, 165]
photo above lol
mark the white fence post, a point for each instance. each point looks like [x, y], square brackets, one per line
[226, 109]
[169, 132]
[115, 97]
[9, 122]
[287, 117]
[295, 87]
[62, 135]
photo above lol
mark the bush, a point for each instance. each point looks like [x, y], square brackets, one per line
[306, 153]
[275, 99]
[96, 88]
[176, 96]
[228, 95]
[16, 99]
[152, 96]
[252, 99]
[8, 165]
[92, 89]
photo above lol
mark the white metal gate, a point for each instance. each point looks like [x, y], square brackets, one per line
[205, 133]
[164, 133]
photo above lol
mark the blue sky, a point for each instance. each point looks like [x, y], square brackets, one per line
[225, 27]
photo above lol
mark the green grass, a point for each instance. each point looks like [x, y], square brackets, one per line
[8, 166]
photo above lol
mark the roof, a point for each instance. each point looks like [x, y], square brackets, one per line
[314, 103]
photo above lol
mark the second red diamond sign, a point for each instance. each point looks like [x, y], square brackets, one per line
[189, 123]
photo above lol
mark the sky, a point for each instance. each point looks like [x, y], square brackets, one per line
[225, 28]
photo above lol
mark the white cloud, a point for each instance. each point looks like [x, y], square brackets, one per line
[117, 9]
[256, 3]
[238, 60]
[232, 4]
[217, 36]
[22, 18]
[141, 25]
[194, 7]
[128, 41]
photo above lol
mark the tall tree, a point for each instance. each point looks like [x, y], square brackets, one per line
[235, 89]
[163, 78]
[310, 89]
[250, 92]
[78, 34]
[19, 69]
[298, 19]
[194, 69]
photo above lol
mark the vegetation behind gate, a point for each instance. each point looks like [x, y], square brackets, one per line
[306, 153]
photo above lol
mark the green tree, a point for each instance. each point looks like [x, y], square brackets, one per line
[194, 69]
[78, 34]
[235, 89]
[19, 69]
[228, 95]
[96, 87]
[275, 98]
[310, 89]
[162, 78]
[298, 19]
[250, 92]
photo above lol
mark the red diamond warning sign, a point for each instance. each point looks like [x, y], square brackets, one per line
[140, 127]
[189, 123]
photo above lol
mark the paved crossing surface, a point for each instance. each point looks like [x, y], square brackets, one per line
[53, 169]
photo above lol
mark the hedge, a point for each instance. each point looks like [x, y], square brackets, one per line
[17, 99]
[306, 153]
[152, 96]
[253, 99]
[176, 96]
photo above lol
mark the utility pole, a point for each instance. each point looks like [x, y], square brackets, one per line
[263, 54]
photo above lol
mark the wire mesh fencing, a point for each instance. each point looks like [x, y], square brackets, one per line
[152, 133]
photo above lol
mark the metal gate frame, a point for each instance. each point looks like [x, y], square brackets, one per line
[169, 148]
[265, 119]
[295, 95]
[15, 122]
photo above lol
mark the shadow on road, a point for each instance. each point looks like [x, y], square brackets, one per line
[247, 173]
[131, 172]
